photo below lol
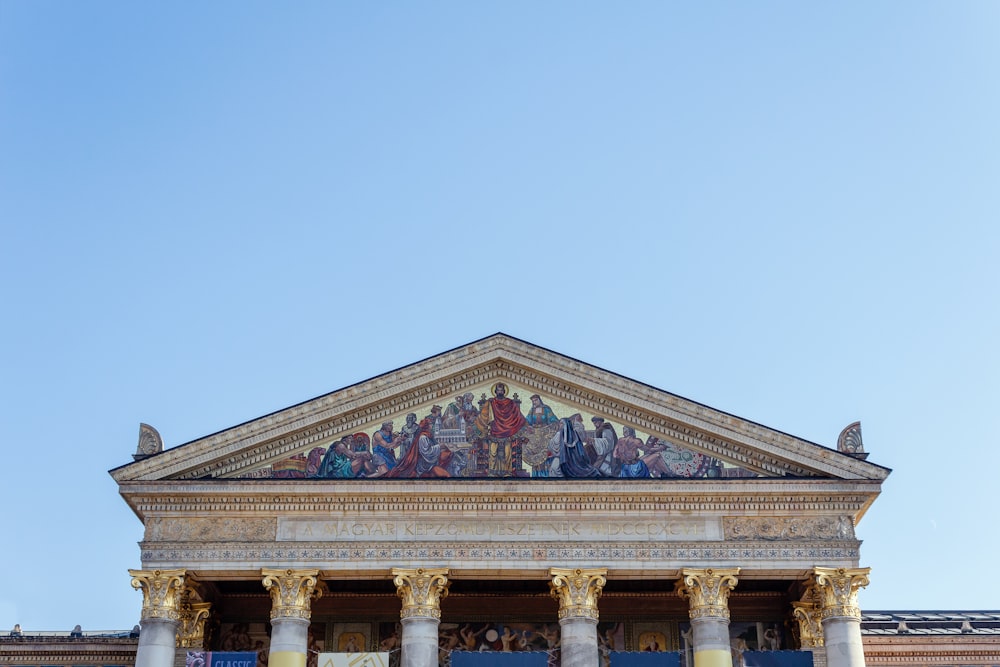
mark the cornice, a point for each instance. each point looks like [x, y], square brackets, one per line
[748, 497]
[272, 437]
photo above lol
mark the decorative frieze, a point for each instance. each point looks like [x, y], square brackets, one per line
[838, 590]
[788, 528]
[707, 591]
[577, 590]
[421, 591]
[627, 555]
[220, 529]
[292, 591]
[161, 592]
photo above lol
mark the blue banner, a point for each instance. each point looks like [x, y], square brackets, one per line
[645, 658]
[221, 659]
[777, 659]
[499, 659]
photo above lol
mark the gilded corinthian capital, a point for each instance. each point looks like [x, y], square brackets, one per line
[838, 590]
[808, 614]
[577, 590]
[161, 592]
[707, 591]
[292, 591]
[193, 614]
[421, 590]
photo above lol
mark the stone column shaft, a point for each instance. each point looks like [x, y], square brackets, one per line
[707, 592]
[421, 591]
[161, 597]
[837, 589]
[578, 591]
[292, 593]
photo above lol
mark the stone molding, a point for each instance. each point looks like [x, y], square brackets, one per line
[304, 497]
[692, 425]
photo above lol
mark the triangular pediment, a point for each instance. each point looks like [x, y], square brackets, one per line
[474, 429]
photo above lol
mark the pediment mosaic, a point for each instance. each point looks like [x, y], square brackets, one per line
[497, 408]
[495, 430]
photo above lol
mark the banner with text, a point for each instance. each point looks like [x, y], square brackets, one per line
[221, 659]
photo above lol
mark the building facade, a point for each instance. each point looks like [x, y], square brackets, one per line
[500, 497]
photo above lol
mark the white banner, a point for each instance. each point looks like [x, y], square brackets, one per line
[353, 660]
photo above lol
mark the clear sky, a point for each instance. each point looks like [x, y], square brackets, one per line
[210, 211]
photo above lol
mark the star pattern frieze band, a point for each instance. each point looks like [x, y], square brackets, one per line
[534, 555]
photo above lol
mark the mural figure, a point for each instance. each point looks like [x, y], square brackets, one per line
[470, 639]
[385, 442]
[498, 424]
[458, 414]
[539, 414]
[341, 461]
[425, 458]
[626, 455]
[238, 638]
[573, 459]
[409, 431]
[604, 443]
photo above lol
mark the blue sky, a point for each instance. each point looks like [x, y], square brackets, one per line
[786, 211]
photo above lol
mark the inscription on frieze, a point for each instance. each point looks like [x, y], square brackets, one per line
[653, 530]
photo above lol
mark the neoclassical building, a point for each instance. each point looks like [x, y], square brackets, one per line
[500, 497]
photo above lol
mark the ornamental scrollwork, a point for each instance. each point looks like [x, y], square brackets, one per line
[292, 591]
[707, 591]
[808, 614]
[421, 591]
[193, 613]
[161, 592]
[577, 590]
[838, 590]
[787, 528]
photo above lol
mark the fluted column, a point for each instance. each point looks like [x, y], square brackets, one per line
[707, 592]
[292, 593]
[421, 591]
[838, 593]
[808, 614]
[577, 591]
[161, 599]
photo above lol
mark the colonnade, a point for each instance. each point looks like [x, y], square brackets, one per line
[828, 616]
